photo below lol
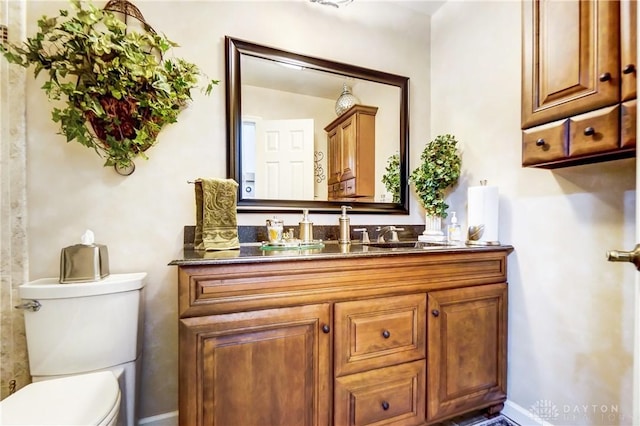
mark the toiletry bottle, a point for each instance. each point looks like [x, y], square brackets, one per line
[305, 227]
[453, 230]
[345, 232]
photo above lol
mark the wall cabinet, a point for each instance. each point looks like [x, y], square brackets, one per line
[351, 154]
[578, 81]
[330, 342]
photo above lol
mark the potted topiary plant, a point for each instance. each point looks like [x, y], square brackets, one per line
[439, 169]
[391, 177]
[117, 86]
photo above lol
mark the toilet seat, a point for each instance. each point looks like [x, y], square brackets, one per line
[86, 399]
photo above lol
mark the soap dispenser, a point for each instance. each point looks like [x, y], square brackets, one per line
[453, 230]
[345, 233]
[305, 227]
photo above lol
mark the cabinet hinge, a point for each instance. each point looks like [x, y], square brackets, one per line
[4, 34]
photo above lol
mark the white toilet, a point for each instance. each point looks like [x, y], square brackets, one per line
[84, 342]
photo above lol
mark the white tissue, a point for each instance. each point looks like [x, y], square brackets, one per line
[87, 238]
[483, 210]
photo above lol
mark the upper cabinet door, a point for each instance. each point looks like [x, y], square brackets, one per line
[628, 52]
[570, 58]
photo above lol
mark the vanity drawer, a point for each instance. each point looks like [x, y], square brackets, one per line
[379, 332]
[349, 187]
[545, 143]
[391, 395]
[595, 131]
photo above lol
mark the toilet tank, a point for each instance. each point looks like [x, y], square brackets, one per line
[85, 326]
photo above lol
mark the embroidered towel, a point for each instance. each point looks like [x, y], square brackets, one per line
[216, 215]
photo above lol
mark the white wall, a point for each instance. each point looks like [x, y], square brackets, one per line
[570, 312]
[141, 217]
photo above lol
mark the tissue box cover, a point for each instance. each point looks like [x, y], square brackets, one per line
[83, 263]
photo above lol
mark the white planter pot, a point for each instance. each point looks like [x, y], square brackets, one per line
[432, 229]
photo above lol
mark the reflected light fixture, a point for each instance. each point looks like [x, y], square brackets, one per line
[334, 3]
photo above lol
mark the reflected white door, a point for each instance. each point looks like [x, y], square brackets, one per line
[284, 159]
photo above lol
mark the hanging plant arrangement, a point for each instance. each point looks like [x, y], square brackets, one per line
[118, 88]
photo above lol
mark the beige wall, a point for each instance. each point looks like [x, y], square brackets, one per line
[140, 218]
[570, 312]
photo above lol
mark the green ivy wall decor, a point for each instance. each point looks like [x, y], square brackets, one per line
[439, 169]
[118, 87]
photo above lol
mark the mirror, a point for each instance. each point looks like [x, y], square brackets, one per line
[288, 149]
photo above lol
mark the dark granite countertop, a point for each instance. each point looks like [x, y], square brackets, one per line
[253, 253]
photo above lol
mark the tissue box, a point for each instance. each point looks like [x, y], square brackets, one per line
[83, 263]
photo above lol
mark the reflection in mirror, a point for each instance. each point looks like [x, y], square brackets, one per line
[288, 147]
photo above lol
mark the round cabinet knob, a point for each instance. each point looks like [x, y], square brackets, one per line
[435, 313]
[385, 405]
[605, 77]
[386, 334]
[629, 69]
[540, 142]
[326, 328]
[589, 131]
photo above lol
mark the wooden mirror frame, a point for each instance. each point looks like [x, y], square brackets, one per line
[234, 48]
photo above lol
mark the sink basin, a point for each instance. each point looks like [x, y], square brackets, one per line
[388, 244]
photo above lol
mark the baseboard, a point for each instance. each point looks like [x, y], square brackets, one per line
[521, 415]
[515, 412]
[165, 419]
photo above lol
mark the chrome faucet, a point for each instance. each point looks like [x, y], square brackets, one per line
[392, 229]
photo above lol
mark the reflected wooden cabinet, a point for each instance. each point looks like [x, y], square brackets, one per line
[397, 340]
[578, 81]
[351, 154]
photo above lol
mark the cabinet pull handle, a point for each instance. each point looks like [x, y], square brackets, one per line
[589, 131]
[385, 405]
[326, 328]
[540, 142]
[605, 77]
[435, 313]
[386, 334]
[629, 69]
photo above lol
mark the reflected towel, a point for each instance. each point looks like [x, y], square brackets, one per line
[216, 215]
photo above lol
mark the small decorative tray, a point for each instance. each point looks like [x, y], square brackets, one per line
[291, 244]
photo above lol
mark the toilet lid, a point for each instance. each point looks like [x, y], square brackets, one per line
[84, 399]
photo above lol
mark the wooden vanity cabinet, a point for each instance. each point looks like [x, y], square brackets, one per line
[578, 81]
[347, 341]
[351, 153]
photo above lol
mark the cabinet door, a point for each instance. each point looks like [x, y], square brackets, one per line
[570, 61]
[466, 349]
[270, 367]
[335, 156]
[628, 52]
[349, 130]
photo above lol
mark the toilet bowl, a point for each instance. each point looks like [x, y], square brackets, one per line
[84, 399]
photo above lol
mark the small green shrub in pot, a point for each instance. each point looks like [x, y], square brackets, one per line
[391, 177]
[439, 169]
[118, 87]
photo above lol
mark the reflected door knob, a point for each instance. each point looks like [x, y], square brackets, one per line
[625, 256]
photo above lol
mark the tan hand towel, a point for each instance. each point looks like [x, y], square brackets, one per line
[216, 215]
